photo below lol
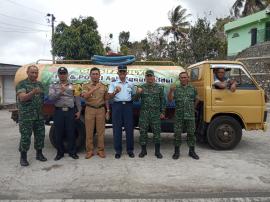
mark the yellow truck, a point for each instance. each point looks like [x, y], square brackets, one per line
[222, 114]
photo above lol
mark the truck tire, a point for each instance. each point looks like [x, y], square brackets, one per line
[79, 133]
[224, 133]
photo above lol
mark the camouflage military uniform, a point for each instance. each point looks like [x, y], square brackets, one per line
[30, 116]
[152, 105]
[184, 114]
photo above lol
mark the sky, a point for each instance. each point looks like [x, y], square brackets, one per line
[25, 31]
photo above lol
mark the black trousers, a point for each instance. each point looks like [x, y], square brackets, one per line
[122, 115]
[64, 122]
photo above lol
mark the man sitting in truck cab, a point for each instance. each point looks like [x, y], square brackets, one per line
[222, 82]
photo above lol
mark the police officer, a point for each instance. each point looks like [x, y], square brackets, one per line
[62, 93]
[186, 99]
[122, 112]
[30, 95]
[96, 97]
[152, 110]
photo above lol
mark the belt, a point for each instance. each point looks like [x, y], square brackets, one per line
[123, 102]
[95, 107]
[64, 109]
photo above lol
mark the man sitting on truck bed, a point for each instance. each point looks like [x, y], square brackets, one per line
[222, 82]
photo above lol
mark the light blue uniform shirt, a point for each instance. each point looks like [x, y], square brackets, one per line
[127, 90]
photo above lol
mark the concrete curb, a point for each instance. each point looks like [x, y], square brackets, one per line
[240, 199]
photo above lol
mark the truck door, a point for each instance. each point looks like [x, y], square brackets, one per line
[246, 101]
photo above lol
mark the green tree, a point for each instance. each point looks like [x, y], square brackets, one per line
[124, 42]
[243, 8]
[203, 42]
[179, 25]
[78, 41]
[220, 34]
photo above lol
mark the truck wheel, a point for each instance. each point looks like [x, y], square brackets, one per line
[79, 133]
[224, 133]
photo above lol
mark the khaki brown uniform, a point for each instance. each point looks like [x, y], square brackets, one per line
[95, 116]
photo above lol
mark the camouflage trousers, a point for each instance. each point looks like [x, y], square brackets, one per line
[152, 119]
[26, 128]
[179, 126]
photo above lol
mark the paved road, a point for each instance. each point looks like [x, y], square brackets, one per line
[242, 172]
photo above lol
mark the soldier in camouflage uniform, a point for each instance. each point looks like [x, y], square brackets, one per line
[152, 110]
[30, 94]
[186, 99]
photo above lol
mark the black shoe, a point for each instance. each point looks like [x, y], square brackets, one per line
[143, 152]
[117, 156]
[131, 155]
[74, 156]
[40, 156]
[176, 153]
[23, 160]
[157, 151]
[192, 153]
[58, 157]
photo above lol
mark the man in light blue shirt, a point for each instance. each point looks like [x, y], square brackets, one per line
[121, 91]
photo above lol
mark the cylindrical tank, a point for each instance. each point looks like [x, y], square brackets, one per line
[79, 74]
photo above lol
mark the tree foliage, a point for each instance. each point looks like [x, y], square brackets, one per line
[203, 42]
[179, 27]
[78, 41]
[243, 8]
[124, 42]
[179, 24]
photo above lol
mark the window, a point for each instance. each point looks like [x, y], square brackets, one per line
[243, 79]
[194, 74]
[235, 35]
[238, 73]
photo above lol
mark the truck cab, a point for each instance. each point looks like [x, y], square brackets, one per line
[222, 114]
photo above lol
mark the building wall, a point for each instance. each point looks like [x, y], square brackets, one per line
[238, 32]
[7, 89]
[1, 90]
[240, 38]
[9, 93]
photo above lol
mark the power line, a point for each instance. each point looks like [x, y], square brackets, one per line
[18, 4]
[21, 19]
[7, 29]
[18, 31]
[19, 26]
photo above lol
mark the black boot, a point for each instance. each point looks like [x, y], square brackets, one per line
[157, 151]
[143, 152]
[23, 160]
[40, 156]
[192, 153]
[176, 153]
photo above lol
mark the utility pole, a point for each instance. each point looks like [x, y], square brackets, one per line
[52, 23]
